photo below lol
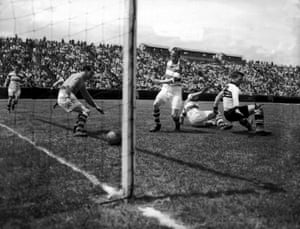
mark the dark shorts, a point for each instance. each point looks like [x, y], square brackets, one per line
[232, 116]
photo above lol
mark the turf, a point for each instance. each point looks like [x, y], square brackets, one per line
[202, 177]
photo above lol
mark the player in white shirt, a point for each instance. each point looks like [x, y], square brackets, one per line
[68, 101]
[233, 111]
[13, 82]
[201, 118]
[171, 91]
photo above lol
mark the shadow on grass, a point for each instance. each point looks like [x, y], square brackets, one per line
[188, 131]
[251, 135]
[264, 185]
[93, 134]
[209, 194]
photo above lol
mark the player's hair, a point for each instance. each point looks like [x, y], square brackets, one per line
[235, 74]
[174, 50]
[87, 68]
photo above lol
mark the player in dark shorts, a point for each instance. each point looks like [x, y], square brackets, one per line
[234, 112]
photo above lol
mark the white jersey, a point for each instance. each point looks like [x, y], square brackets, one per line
[195, 115]
[173, 71]
[15, 79]
[74, 82]
[231, 96]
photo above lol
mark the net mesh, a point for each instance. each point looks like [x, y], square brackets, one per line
[52, 39]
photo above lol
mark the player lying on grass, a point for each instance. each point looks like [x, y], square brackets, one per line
[13, 82]
[234, 112]
[201, 118]
[171, 91]
[68, 101]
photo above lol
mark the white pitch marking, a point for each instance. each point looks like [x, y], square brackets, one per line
[111, 191]
[164, 219]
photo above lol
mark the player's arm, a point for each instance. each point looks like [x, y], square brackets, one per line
[236, 102]
[217, 101]
[58, 82]
[7, 81]
[164, 81]
[196, 96]
[88, 98]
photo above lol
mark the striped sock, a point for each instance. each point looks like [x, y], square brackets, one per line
[259, 119]
[156, 115]
[219, 120]
[81, 121]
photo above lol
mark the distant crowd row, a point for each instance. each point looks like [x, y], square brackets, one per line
[43, 61]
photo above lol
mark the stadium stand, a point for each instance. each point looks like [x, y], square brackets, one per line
[44, 61]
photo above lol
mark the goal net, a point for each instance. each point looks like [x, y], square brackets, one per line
[49, 41]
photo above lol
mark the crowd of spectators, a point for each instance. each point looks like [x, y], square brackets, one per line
[44, 61]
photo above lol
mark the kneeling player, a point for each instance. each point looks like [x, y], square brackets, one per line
[201, 118]
[234, 112]
[68, 101]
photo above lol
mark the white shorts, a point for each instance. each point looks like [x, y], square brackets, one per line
[197, 117]
[170, 94]
[69, 102]
[14, 92]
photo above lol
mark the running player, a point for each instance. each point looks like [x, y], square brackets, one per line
[233, 111]
[201, 118]
[13, 82]
[170, 92]
[68, 101]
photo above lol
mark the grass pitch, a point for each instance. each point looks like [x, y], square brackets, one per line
[201, 177]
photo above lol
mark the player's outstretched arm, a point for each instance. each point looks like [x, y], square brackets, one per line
[196, 96]
[165, 81]
[58, 82]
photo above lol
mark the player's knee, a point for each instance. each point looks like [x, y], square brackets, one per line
[175, 114]
[156, 106]
[86, 111]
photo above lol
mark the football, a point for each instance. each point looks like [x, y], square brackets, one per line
[114, 137]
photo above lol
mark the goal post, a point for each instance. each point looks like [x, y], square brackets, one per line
[129, 98]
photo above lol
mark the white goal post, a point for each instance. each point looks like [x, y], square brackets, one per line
[129, 98]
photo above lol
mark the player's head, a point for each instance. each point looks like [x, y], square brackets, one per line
[174, 53]
[88, 70]
[236, 77]
[17, 66]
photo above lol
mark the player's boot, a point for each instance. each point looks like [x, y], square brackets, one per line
[8, 108]
[80, 133]
[225, 126]
[155, 128]
[55, 105]
[14, 103]
[244, 122]
[177, 126]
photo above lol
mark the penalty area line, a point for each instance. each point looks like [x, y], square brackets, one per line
[111, 191]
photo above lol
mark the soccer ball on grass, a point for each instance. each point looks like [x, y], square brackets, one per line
[114, 137]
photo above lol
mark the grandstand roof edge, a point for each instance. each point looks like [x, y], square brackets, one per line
[154, 45]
